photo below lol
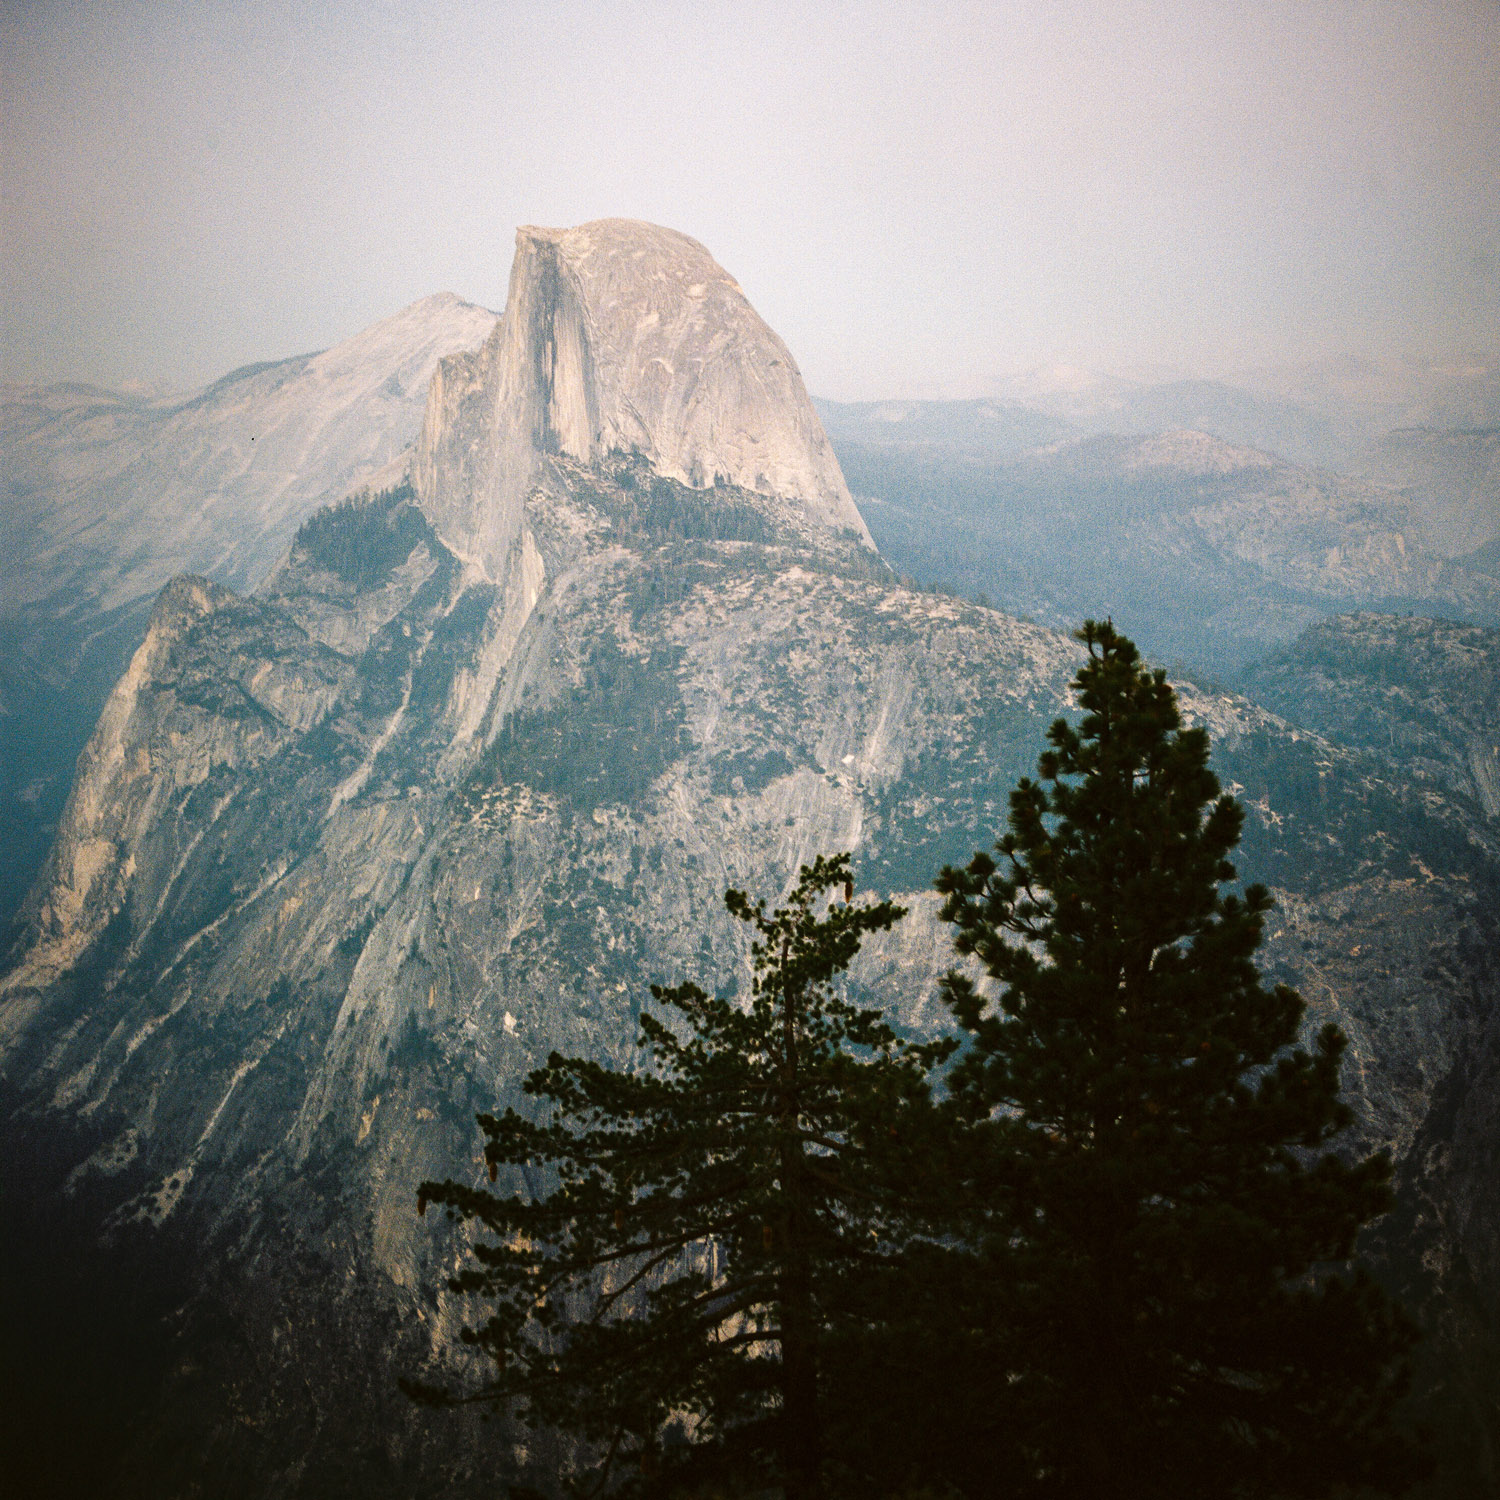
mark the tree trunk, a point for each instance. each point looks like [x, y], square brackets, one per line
[801, 1437]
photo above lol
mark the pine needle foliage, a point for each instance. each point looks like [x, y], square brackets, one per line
[1165, 1234]
[715, 1218]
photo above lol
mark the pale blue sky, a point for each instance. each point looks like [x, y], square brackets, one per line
[918, 197]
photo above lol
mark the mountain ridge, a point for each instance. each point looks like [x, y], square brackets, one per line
[107, 496]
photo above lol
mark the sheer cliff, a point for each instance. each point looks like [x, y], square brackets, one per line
[621, 338]
[346, 856]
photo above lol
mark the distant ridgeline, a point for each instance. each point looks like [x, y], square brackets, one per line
[109, 496]
[347, 856]
[1210, 554]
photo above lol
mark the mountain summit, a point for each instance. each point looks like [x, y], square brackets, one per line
[620, 338]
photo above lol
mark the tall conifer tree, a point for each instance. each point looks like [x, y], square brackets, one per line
[1163, 1230]
[717, 1220]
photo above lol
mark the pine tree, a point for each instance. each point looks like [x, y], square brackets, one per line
[1163, 1231]
[717, 1219]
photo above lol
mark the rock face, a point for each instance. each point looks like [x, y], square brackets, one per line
[289, 940]
[346, 857]
[620, 338]
[105, 498]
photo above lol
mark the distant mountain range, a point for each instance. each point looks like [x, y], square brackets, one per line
[1208, 553]
[972, 427]
[1213, 519]
[1347, 415]
[1320, 412]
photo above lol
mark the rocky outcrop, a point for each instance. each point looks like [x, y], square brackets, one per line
[107, 497]
[620, 338]
[176, 719]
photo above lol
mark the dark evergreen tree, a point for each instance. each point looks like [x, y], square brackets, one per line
[1158, 1236]
[707, 1253]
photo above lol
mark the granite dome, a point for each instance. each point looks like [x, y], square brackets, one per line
[621, 337]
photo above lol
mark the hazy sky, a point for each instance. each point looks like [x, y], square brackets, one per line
[917, 197]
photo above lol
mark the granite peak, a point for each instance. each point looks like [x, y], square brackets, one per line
[620, 338]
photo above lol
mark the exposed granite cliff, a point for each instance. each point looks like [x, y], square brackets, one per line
[106, 497]
[620, 338]
[289, 940]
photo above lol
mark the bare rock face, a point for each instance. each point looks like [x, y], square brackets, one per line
[105, 497]
[621, 338]
[297, 927]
